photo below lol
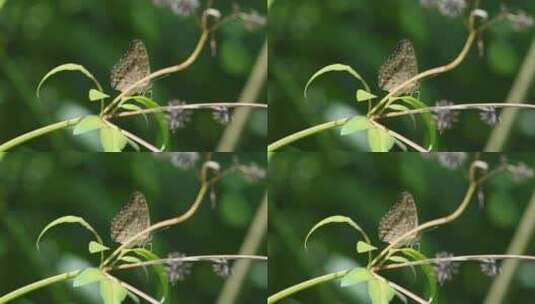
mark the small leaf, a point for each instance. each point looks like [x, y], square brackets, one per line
[112, 292]
[68, 219]
[355, 124]
[398, 259]
[97, 95]
[364, 95]
[68, 67]
[95, 247]
[356, 276]
[363, 247]
[337, 219]
[427, 117]
[130, 107]
[398, 107]
[88, 276]
[337, 67]
[379, 291]
[379, 140]
[131, 259]
[112, 140]
[89, 123]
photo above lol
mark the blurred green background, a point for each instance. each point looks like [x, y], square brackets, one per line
[37, 35]
[306, 35]
[307, 187]
[37, 188]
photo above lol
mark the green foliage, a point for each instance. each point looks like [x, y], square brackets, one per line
[112, 139]
[429, 272]
[356, 276]
[379, 291]
[337, 219]
[112, 292]
[88, 276]
[363, 247]
[362, 95]
[95, 247]
[68, 67]
[159, 270]
[89, 123]
[97, 95]
[69, 219]
[380, 140]
[356, 124]
[337, 67]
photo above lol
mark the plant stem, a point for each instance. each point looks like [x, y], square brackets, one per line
[38, 132]
[306, 284]
[468, 106]
[172, 69]
[139, 141]
[433, 223]
[462, 258]
[195, 106]
[438, 70]
[39, 284]
[306, 132]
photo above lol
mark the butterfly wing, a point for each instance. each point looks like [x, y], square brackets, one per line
[133, 218]
[133, 66]
[399, 67]
[401, 218]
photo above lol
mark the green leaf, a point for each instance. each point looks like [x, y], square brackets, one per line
[429, 120]
[379, 140]
[337, 67]
[112, 292]
[131, 259]
[398, 259]
[2, 2]
[398, 107]
[68, 220]
[363, 247]
[431, 287]
[337, 219]
[89, 123]
[95, 247]
[159, 269]
[355, 124]
[88, 276]
[112, 140]
[68, 67]
[379, 291]
[163, 135]
[356, 276]
[130, 107]
[364, 95]
[97, 95]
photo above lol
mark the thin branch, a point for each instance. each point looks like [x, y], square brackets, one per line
[139, 141]
[196, 106]
[306, 284]
[173, 69]
[200, 258]
[407, 292]
[434, 71]
[432, 223]
[38, 132]
[463, 258]
[468, 106]
[401, 137]
[134, 290]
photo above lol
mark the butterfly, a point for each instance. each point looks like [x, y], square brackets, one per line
[133, 218]
[133, 66]
[401, 218]
[399, 67]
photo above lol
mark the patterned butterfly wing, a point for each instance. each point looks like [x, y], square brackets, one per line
[399, 67]
[133, 218]
[401, 218]
[133, 66]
